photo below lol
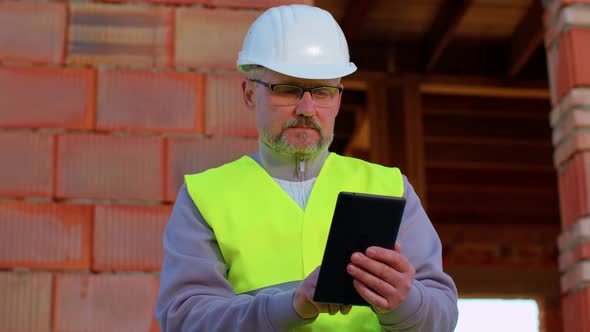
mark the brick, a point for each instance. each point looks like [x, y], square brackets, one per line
[574, 234]
[149, 101]
[120, 35]
[570, 257]
[552, 71]
[575, 309]
[577, 119]
[561, 68]
[553, 6]
[210, 38]
[45, 235]
[129, 238]
[226, 113]
[568, 17]
[479, 233]
[110, 167]
[47, 97]
[574, 183]
[576, 276]
[260, 4]
[41, 32]
[474, 254]
[105, 303]
[576, 143]
[188, 156]
[25, 304]
[474, 245]
[569, 66]
[27, 164]
[576, 98]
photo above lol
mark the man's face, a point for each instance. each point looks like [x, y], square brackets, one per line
[301, 129]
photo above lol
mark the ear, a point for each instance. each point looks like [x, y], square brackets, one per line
[248, 94]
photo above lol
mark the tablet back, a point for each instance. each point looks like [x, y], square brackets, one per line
[359, 221]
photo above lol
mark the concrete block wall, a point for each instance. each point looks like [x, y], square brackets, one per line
[104, 105]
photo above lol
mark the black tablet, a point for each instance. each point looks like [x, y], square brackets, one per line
[360, 221]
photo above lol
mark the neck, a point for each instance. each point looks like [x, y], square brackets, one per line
[288, 167]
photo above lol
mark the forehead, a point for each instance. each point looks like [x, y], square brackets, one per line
[276, 78]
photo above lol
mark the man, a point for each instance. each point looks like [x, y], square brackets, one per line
[245, 239]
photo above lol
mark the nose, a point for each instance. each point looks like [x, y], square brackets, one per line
[305, 106]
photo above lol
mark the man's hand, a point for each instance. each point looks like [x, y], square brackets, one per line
[383, 277]
[303, 299]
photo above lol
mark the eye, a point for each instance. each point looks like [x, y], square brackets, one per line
[326, 92]
[322, 92]
[287, 90]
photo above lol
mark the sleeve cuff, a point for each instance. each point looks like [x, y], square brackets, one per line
[408, 309]
[281, 313]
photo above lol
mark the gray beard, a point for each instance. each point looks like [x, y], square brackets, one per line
[279, 144]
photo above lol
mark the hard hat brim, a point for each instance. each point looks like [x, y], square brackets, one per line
[313, 71]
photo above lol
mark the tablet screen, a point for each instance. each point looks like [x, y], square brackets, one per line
[359, 221]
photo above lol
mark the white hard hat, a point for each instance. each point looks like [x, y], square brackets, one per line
[299, 41]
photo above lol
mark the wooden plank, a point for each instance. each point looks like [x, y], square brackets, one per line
[496, 201]
[504, 281]
[443, 218]
[506, 154]
[526, 179]
[414, 138]
[443, 29]
[484, 91]
[527, 38]
[487, 141]
[406, 131]
[466, 79]
[503, 189]
[381, 149]
[489, 166]
[396, 127]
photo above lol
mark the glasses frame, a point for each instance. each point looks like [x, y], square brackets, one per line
[304, 90]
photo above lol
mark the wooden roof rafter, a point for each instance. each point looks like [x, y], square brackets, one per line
[441, 32]
[527, 38]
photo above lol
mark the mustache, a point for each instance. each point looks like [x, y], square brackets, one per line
[303, 121]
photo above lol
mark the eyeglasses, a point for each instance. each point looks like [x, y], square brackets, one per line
[289, 94]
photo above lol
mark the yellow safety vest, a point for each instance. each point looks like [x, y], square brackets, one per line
[267, 239]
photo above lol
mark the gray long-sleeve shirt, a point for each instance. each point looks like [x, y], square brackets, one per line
[196, 296]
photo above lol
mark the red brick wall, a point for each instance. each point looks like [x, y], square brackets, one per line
[103, 107]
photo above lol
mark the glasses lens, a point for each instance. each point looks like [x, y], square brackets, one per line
[286, 94]
[325, 96]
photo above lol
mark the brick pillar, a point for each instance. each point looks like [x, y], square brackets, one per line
[568, 50]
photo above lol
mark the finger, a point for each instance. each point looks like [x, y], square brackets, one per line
[313, 277]
[366, 293]
[374, 267]
[333, 309]
[382, 286]
[308, 293]
[389, 257]
[322, 307]
[345, 309]
[398, 247]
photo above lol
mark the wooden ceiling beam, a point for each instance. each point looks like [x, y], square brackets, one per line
[441, 32]
[527, 38]
[354, 18]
